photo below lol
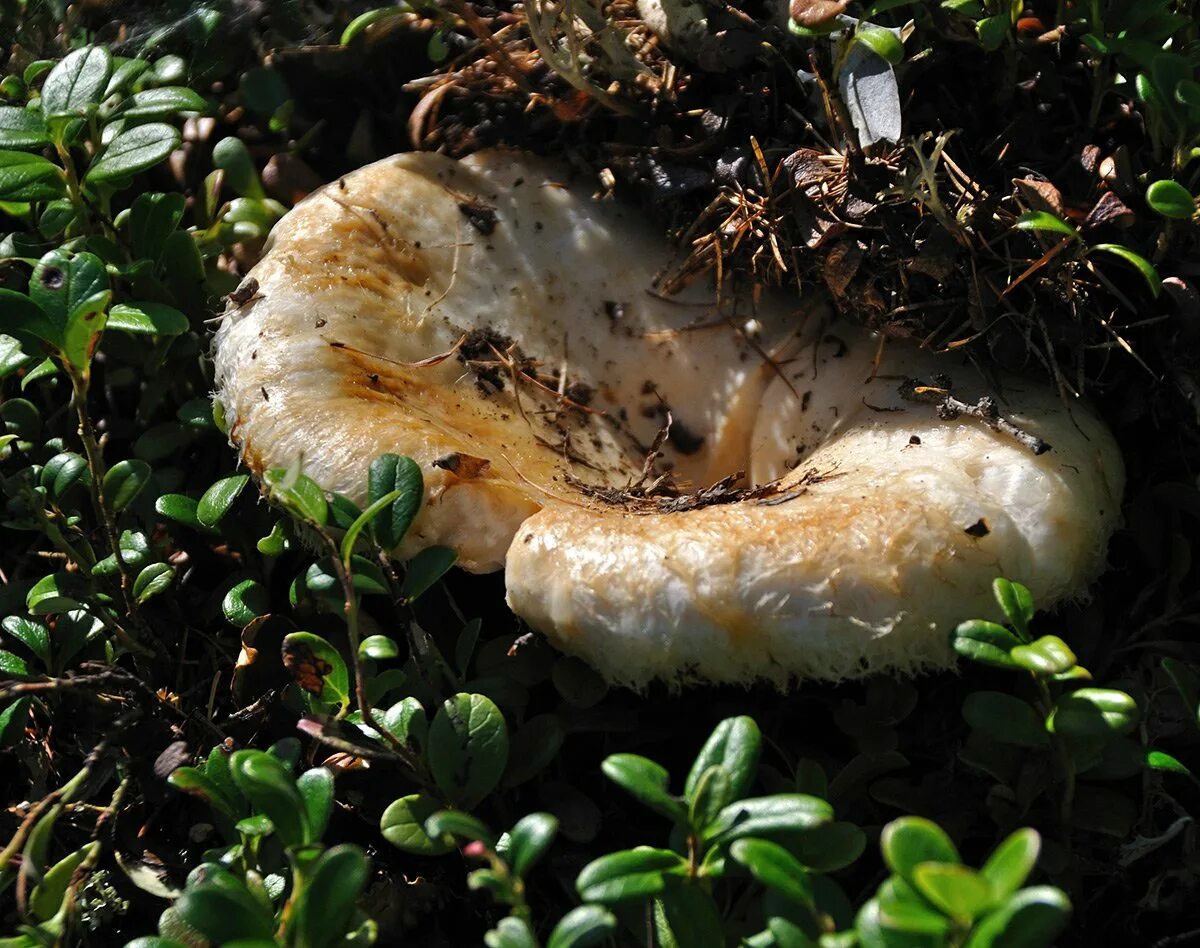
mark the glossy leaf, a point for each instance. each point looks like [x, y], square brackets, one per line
[22, 128]
[159, 103]
[245, 602]
[511, 932]
[25, 177]
[882, 42]
[1094, 713]
[912, 840]
[1016, 602]
[627, 875]
[1045, 222]
[529, 840]
[134, 150]
[583, 927]
[31, 633]
[1137, 261]
[468, 748]
[152, 581]
[735, 744]
[224, 914]
[960, 892]
[77, 82]
[1033, 918]
[1009, 865]
[150, 319]
[458, 825]
[403, 825]
[323, 912]
[361, 522]
[270, 788]
[124, 481]
[1047, 656]
[986, 643]
[180, 508]
[152, 219]
[217, 500]
[425, 569]
[646, 781]
[774, 866]
[763, 816]
[388, 474]
[47, 895]
[299, 494]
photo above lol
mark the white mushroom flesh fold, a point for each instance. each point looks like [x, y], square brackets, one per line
[493, 321]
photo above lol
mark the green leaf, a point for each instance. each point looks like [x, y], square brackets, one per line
[24, 318]
[1094, 713]
[180, 508]
[986, 643]
[47, 895]
[378, 647]
[685, 914]
[764, 816]
[223, 914]
[627, 875]
[406, 722]
[583, 927]
[159, 103]
[199, 784]
[216, 502]
[647, 782]
[1047, 656]
[902, 909]
[323, 913]
[58, 592]
[299, 494]
[31, 633]
[529, 840]
[63, 472]
[425, 569]
[1016, 602]
[912, 840]
[455, 823]
[1162, 761]
[12, 720]
[830, 847]
[231, 156]
[134, 150]
[154, 579]
[1033, 918]
[25, 177]
[315, 787]
[960, 892]
[124, 481]
[883, 42]
[1005, 719]
[1171, 199]
[774, 866]
[245, 602]
[388, 474]
[152, 319]
[1140, 263]
[1009, 865]
[152, 219]
[1045, 222]
[712, 794]
[317, 667]
[468, 749]
[13, 666]
[361, 522]
[403, 825]
[72, 290]
[76, 83]
[22, 128]
[735, 744]
[511, 932]
[363, 20]
[271, 790]
[993, 31]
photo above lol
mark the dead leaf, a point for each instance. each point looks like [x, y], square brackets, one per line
[1040, 195]
[1110, 209]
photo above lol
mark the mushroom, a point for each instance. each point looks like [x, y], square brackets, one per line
[683, 486]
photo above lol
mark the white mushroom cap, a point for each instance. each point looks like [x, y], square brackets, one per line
[875, 525]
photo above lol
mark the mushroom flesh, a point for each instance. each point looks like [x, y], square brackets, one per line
[679, 485]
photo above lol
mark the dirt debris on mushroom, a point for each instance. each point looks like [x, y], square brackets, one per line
[685, 488]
